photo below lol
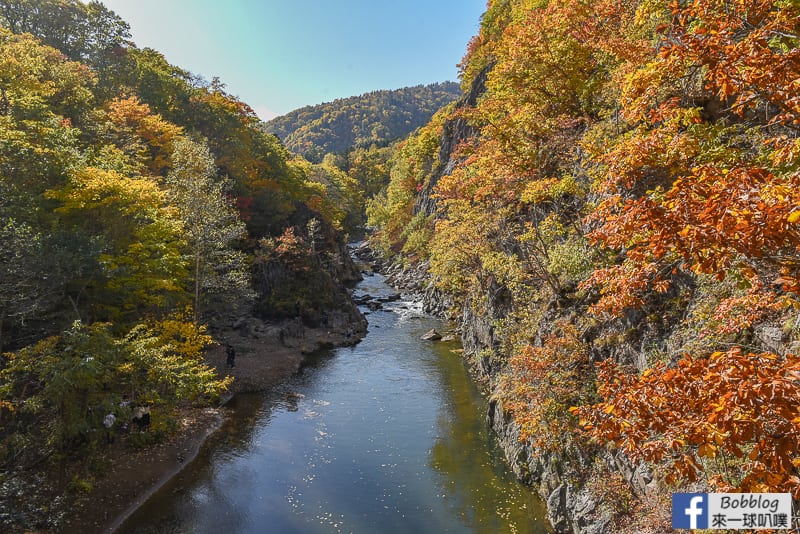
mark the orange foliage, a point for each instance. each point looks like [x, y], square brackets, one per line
[680, 191]
[288, 249]
[706, 180]
[131, 117]
[733, 404]
[544, 382]
[749, 48]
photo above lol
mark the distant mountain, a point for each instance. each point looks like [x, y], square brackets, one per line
[379, 118]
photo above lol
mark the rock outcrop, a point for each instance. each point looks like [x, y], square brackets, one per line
[312, 285]
[570, 509]
[455, 132]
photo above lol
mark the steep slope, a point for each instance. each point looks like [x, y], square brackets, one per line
[621, 197]
[375, 118]
[141, 211]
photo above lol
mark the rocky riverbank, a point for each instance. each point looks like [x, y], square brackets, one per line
[571, 509]
[73, 497]
[412, 279]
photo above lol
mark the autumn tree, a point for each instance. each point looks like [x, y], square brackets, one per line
[410, 170]
[82, 31]
[374, 119]
[709, 194]
[693, 418]
[211, 225]
[22, 274]
[140, 266]
[703, 183]
[113, 223]
[144, 137]
[54, 394]
[332, 193]
[41, 93]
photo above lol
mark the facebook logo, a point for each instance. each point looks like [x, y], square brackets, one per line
[732, 511]
[690, 510]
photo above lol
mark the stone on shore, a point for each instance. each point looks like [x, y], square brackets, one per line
[431, 335]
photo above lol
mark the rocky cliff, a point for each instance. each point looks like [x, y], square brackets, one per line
[571, 506]
[455, 131]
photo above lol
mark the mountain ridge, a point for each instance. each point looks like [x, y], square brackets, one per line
[374, 118]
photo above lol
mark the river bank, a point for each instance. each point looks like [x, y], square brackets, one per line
[385, 436]
[73, 497]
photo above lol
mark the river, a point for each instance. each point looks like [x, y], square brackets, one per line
[387, 436]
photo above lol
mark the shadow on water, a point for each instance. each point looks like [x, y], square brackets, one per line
[479, 484]
[387, 436]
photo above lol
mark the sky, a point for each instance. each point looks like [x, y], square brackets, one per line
[280, 55]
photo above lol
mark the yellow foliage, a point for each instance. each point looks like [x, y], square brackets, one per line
[186, 338]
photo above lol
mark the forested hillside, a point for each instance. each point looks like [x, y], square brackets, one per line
[614, 214]
[377, 118]
[610, 209]
[137, 202]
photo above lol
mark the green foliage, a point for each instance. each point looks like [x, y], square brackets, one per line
[140, 266]
[332, 193]
[132, 196]
[411, 168]
[417, 234]
[369, 167]
[210, 225]
[570, 260]
[82, 31]
[59, 389]
[373, 119]
[287, 269]
[22, 261]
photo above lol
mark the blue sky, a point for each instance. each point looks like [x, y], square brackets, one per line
[279, 55]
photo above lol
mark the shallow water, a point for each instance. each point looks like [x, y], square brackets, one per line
[387, 436]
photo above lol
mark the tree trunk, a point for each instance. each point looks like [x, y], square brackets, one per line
[5, 105]
[196, 284]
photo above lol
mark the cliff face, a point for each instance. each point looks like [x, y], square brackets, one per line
[584, 220]
[570, 509]
[311, 282]
[455, 132]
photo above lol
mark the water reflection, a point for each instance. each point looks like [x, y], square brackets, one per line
[474, 479]
[387, 436]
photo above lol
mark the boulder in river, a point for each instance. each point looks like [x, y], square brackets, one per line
[363, 299]
[431, 335]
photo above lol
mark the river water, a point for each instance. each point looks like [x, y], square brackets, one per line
[387, 436]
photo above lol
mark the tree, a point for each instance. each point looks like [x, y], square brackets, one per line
[211, 225]
[698, 414]
[140, 261]
[84, 32]
[146, 138]
[22, 274]
[332, 193]
[703, 185]
[57, 391]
